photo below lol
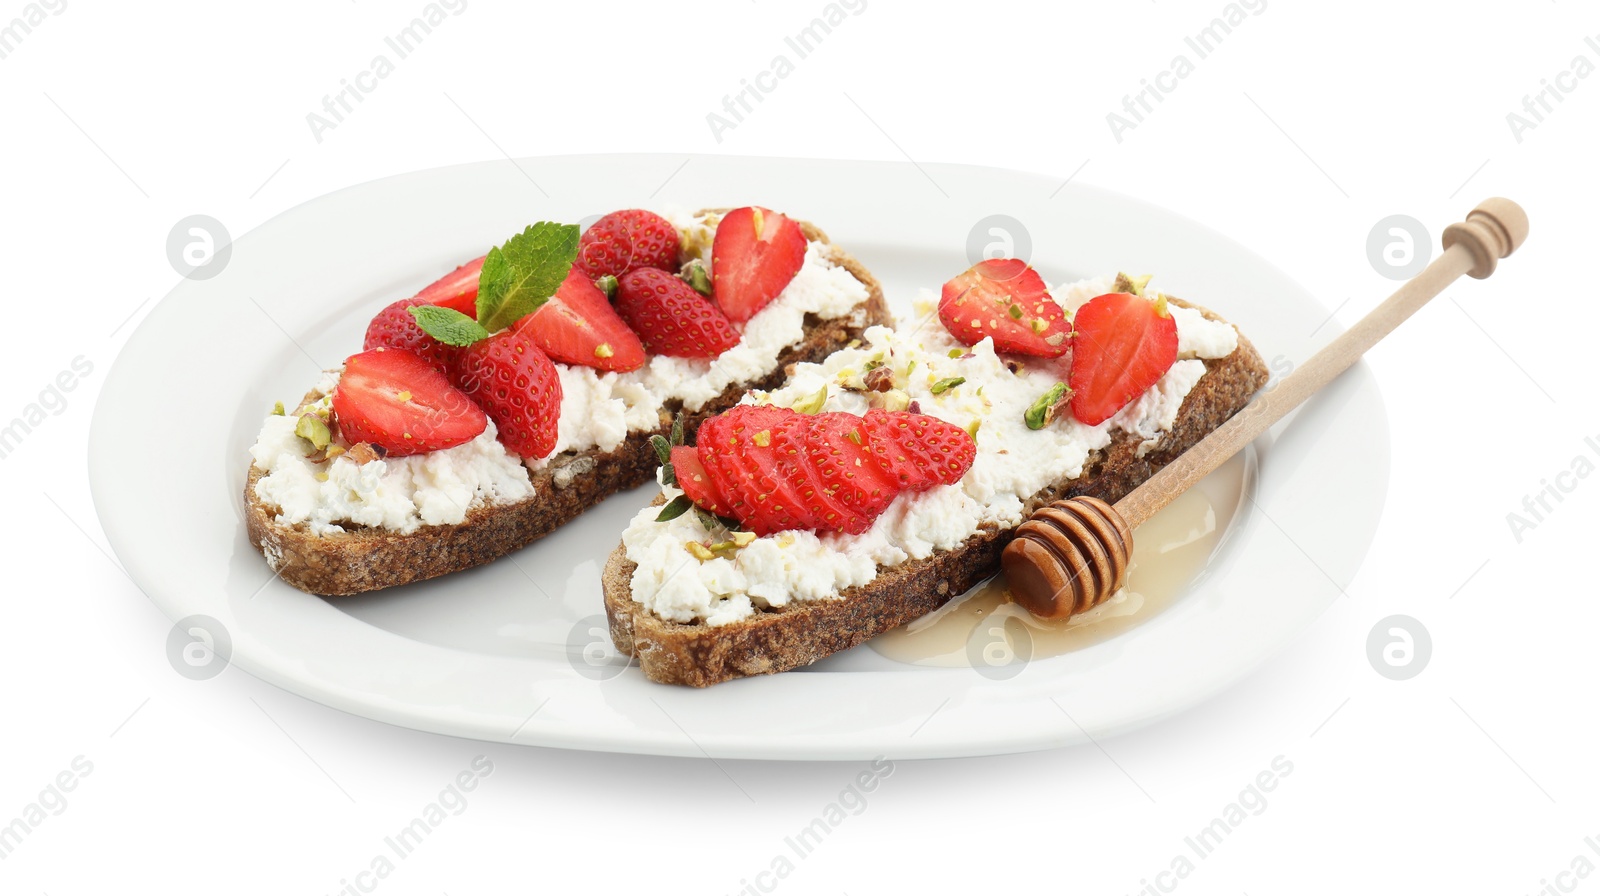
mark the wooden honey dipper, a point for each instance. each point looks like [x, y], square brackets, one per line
[1072, 555]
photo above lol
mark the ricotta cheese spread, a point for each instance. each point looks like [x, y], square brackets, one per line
[399, 493]
[1012, 463]
[598, 410]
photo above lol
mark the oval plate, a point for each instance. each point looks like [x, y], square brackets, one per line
[516, 651]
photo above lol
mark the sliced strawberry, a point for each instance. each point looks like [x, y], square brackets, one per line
[671, 318]
[754, 255]
[579, 326]
[457, 289]
[1005, 299]
[517, 385]
[398, 401]
[897, 459]
[695, 481]
[839, 453]
[627, 241]
[1123, 345]
[776, 469]
[918, 450]
[793, 446]
[740, 445]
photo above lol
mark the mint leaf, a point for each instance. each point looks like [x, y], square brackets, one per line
[675, 508]
[448, 325]
[521, 275]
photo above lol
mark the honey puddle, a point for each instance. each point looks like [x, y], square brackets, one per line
[985, 627]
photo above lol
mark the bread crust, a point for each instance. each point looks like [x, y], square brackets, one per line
[363, 559]
[801, 633]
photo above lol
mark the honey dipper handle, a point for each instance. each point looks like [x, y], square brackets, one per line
[1491, 231]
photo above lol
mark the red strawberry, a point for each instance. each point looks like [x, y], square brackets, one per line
[1005, 299]
[394, 327]
[743, 446]
[923, 451]
[518, 386]
[457, 289]
[671, 318]
[696, 482]
[627, 241]
[1123, 345]
[839, 449]
[398, 401]
[754, 255]
[579, 326]
[776, 469]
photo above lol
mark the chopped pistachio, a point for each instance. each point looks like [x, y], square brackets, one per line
[700, 551]
[1015, 311]
[277, 409]
[1043, 410]
[608, 285]
[405, 395]
[972, 428]
[743, 539]
[311, 428]
[603, 350]
[697, 277]
[946, 384]
[892, 400]
[813, 403]
[957, 352]
[1161, 305]
[763, 438]
[1039, 325]
[854, 436]
[854, 343]
[879, 379]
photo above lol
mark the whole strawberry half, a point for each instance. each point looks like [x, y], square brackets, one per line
[1005, 299]
[776, 469]
[627, 241]
[671, 318]
[577, 325]
[400, 402]
[457, 289]
[754, 255]
[1123, 344]
[394, 327]
[517, 385]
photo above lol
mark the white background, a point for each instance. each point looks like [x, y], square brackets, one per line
[1299, 133]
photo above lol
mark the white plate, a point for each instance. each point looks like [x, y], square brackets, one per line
[499, 653]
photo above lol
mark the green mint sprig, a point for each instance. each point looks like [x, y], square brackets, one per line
[517, 278]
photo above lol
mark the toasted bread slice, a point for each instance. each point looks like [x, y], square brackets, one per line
[802, 632]
[364, 559]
